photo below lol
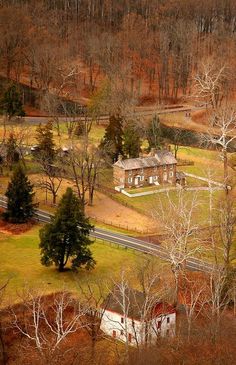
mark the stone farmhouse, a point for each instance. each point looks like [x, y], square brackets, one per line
[132, 320]
[159, 167]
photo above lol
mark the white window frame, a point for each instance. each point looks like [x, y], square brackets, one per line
[171, 174]
[130, 180]
[141, 178]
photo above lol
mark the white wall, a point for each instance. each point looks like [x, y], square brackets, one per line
[112, 322]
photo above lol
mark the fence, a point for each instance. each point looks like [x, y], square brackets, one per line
[123, 226]
[210, 182]
[185, 163]
[145, 193]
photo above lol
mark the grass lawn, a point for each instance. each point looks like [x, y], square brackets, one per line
[207, 163]
[148, 204]
[20, 262]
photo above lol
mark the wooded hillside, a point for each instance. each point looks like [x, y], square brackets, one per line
[147, 50]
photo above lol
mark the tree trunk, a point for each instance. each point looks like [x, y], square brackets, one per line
[225, 158]
[54, 198]
[2, 350]
[61, 265]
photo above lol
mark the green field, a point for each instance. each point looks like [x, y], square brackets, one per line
[149, 203]
[20, 262]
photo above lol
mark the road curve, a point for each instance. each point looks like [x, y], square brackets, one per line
[126, 241]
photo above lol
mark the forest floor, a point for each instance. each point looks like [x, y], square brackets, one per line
[77, 345]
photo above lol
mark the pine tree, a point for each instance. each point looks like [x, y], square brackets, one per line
[132, 141]
[11, 103]
[112, 142]
[12, 155]
[20, 206]
[46, 146]
[67, 236]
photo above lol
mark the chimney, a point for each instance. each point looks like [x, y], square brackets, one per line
[152, 152]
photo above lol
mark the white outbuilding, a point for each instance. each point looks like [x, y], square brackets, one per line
[133, 317]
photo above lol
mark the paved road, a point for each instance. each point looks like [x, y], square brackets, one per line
[139, 113]
[128, 242]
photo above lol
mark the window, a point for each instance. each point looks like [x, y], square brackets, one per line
[171, 167]
[130, 337]
[121, 332]
[155, 178]
[171, 174]
[122, 320]
[141, 178]
[164, 167]
[114, 334]
[168, 319]
[159, 324]
[130, 180]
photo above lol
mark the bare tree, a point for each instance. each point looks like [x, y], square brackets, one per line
[47, 324]
[209, 84]
[224, 134]
[53, 101]
[14, 41]
[218, 299]
[143, 312]
[85, 164]
[194, 298]
[177, 218]
[227, 221]
[94, 300]
[51, 179]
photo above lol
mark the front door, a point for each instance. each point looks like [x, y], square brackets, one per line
[150, 179]
[165, 176]
[136, 180]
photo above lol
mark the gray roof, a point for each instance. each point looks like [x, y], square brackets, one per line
[134, 302]
[159, 159]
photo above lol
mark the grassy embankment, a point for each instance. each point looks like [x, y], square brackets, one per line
[20, 262]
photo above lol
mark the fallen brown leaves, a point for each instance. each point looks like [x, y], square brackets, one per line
[13, 228]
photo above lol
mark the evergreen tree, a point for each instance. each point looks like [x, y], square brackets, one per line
[12, 155]
[20, 206]
[154, 133]
[11, 103]
[132, 141]
[46, 146]
[67, 236]
[112, 142]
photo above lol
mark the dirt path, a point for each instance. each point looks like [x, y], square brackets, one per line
[109, 211]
